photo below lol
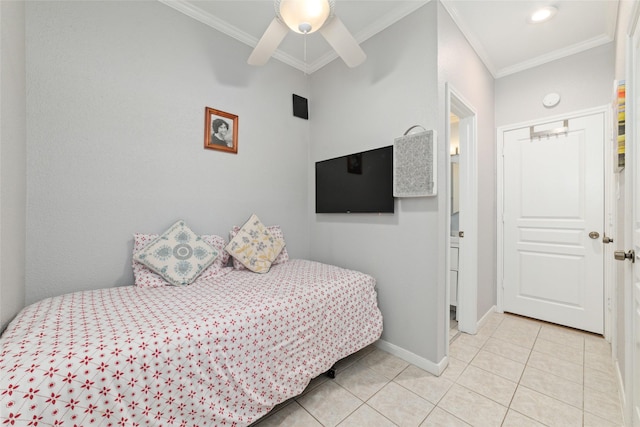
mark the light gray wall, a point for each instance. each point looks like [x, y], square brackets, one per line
[12, 160]
[116, 93]
[460, 66]
[365, 108]
[583, 80]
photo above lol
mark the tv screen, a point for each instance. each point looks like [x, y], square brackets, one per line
[356, 183]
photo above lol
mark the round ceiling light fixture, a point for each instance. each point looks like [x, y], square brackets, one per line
[304, 16]
[543, 14]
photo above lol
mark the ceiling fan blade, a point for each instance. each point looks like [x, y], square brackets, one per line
[268, 43]
[343, 42]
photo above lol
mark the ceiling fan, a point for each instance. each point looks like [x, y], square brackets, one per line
[306, 17]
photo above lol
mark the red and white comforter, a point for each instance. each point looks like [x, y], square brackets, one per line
[219, 352]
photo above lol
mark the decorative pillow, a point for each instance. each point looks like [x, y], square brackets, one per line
[178, 255]
[146, 278]
[254, 246]
[276, 232]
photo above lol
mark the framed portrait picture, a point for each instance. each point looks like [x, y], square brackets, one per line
[220, 130]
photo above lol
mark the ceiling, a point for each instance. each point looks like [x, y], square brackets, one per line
[497, 29]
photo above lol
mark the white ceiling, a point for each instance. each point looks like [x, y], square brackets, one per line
[497, 29]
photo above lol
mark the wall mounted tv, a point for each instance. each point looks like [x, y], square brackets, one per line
[356, 183]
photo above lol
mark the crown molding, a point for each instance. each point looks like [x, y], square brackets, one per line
[211, 20]
[553, 56]
[388, 19]
[206, 18]
[450, 7]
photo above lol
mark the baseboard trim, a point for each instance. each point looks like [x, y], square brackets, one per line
[414, 359]
[419, 361]
[484, 318]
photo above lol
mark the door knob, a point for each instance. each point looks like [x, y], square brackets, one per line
[460, 233]
[622, 255]
[594, 234]
[607, 239]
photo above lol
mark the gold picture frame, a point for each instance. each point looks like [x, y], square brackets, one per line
[220, 130]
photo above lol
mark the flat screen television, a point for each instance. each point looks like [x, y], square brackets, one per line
[356, 183]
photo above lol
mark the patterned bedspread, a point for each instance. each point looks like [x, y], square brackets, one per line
[218, 352]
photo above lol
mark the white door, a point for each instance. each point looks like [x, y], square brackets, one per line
[632, 175]
[554, 222]
[635, 285]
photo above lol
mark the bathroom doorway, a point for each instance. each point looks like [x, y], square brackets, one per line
[462, 240]
[454, 206]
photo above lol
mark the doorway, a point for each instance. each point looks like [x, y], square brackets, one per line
[454, 229]
[551, 228]
[462, 242]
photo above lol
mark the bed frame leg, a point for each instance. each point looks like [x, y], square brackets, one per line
[331, 373]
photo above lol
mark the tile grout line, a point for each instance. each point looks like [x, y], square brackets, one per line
[520, 378]
[455, 382]
[537, 337]
[370, 397]
[526, 363]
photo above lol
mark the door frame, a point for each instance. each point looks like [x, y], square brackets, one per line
[467, 308]
[608, 206]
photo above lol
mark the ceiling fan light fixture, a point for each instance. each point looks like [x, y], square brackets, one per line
[304, 16]
[543, 14]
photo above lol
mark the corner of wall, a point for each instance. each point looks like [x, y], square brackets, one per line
[12, 160]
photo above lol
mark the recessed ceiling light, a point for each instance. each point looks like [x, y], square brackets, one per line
[542, 14]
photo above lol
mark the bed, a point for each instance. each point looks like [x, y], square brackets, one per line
[222, 351]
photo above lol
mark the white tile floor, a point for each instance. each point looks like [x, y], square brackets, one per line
[515, 372]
